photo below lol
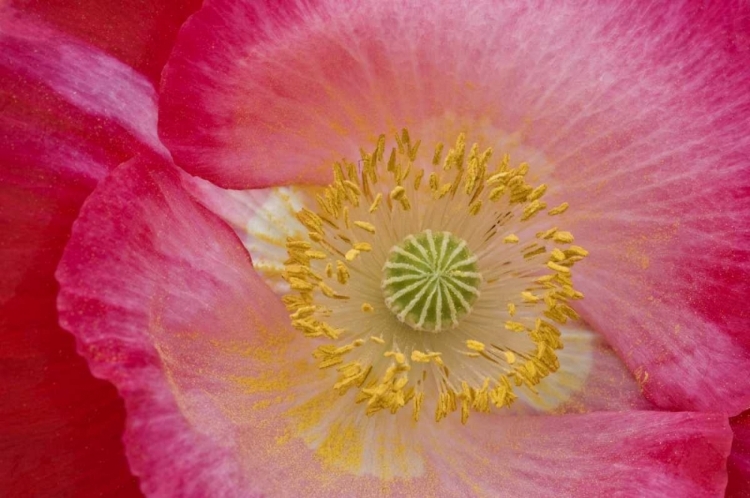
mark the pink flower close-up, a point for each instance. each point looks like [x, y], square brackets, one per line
[375, 248]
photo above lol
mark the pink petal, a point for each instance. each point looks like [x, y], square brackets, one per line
[738, 465]
[139, 285]
[137, 32]
[60, 133]
[608, 386]
[641, 110]
[601, 454]
[164, 302]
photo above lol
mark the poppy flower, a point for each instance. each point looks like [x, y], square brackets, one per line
[166, 304]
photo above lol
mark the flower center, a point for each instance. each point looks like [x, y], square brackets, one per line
[430, 280]
[399, 249]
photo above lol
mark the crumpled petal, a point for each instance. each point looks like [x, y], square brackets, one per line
[60, 133]
[223, 398]
[638, 111]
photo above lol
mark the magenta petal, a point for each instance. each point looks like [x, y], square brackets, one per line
[68, 114]
[738, 465]
[57, 75]
[139, 33]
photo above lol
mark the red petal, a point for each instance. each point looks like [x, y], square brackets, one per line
[69, 114]
[52, 79]
[139, 33]
[738, 465]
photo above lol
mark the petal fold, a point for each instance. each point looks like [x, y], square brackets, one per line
[68, 114]
[146, 274]
[136, 32]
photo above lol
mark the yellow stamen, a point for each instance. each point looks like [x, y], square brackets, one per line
[344, 256]
[351, 254]
[563, 237]
[511, 309]
[475, 345]
[368, 227]
[559, 209]
[375, 203]
[342, 274]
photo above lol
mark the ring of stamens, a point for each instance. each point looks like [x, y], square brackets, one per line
[342, 289]
[430, 280]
